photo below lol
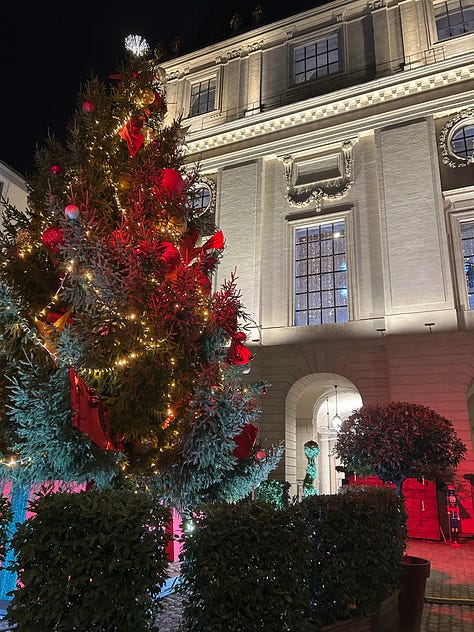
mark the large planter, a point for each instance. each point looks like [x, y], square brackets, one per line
[385, 619]
[412, 596]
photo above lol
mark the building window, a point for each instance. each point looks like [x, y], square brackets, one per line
[321, 293]
[453, 18]
[317, 59]
[203, 197]
[456, 139]
[467, 242]
[462, 141]
[203, 97]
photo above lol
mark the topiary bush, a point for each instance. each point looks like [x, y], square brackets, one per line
[92, 561]
[274, 492]
[244, 567]
[358, 539]
[5, 518]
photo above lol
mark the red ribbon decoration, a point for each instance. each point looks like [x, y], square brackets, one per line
[131, 133]
[90, 416]
[245, 441]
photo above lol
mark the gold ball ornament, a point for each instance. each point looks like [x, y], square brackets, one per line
[149, 132]
[23, 239]
[125, 181]
[147, 96]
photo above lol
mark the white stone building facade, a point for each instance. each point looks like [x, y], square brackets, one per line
[338, 149]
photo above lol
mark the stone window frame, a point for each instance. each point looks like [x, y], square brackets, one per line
[458, 213]
[455, 123]
[207, 183]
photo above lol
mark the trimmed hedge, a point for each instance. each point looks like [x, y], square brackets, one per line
[358, 539]
[251, 567]
[244, 568]
[94, 561]
[5, 518]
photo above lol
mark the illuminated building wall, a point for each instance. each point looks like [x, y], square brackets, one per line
[341, 145]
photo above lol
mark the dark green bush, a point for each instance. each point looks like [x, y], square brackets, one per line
[274, 492]
[244, 569]
[93, 561]
[5, 517]
[357, 543]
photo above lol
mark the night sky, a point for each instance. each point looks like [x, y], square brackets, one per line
[50, 48]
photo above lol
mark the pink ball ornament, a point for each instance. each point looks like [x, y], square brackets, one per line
[71, 211]
[172, 182]
[55, 170]
[260, 455]
[88, 107]
[53, 238]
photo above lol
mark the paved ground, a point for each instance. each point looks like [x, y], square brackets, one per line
[449, 595]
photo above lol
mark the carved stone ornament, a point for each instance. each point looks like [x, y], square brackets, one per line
[314, 194]
[456, 123]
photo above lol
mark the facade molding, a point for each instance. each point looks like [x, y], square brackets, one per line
[345, 101]
[323, 190]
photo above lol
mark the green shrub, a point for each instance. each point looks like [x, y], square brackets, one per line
[244, 568]
[357, 543]
[93, 561]
[274, 492]
[5, 518]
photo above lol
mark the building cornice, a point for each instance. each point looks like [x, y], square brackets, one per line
[367, 100]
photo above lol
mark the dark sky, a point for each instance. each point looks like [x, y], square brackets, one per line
[50, 48]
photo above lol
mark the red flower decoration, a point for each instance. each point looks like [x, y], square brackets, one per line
[238, 353]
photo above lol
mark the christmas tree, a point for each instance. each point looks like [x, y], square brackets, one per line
[120, 362]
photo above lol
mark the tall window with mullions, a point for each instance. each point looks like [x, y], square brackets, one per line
[467, 242]
[321, 289]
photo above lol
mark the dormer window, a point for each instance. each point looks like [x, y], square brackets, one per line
[316, 59]
[203, 97]
[454, 18]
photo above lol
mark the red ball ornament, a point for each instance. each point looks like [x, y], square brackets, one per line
[53, 238]
[172, 182]
[88, 107]
[55, 170]
[71, 211]
[260, 455]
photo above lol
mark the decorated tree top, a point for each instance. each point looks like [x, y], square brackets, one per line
[118, 357]
[398, 440]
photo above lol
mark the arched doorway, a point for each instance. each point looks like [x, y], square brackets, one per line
[310, 410]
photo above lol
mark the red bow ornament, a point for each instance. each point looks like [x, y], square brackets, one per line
[131, 133]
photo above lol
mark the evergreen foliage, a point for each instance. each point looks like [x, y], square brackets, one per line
[92, 560]
[357, 543]
[106, 286]
[398, 440]
[274, 492]
[244, 568]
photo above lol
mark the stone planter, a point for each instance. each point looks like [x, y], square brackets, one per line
[385, 619]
